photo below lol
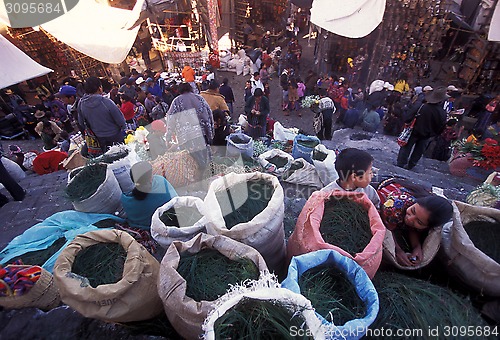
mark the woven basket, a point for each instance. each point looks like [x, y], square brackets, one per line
[44, 295]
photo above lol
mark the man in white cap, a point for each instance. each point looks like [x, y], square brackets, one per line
[141, 83]
[427, 88]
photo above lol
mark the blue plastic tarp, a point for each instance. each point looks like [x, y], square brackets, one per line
[353, 329]
[67, 224]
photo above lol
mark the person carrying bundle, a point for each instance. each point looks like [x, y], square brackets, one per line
[411, 210]
[150, 193]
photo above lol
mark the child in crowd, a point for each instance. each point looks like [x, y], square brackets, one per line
[222, 128]
[354, 167]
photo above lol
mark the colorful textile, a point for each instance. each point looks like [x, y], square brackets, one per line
[394, 200]
[17, 279]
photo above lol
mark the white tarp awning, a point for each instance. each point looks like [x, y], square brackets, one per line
[352, 19]
[494, 34]
[17, 66]
[95, 29]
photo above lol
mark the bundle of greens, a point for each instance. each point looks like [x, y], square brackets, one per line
[236, 139]
[311, 144]
[39, 257]
[258, 193]
[332, 295]
[109, 157]
[278, 161]
[260, 319]
[209, 274]
[319, 155]
[86, 182]
[409, 303]
[486, 237]
[346, 225]
[188, 215]
[101, 263]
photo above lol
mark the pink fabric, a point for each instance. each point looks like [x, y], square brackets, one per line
[307, 237]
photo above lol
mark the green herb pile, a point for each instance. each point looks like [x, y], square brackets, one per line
[486, 237]
[410, 303]
[39, 257]
[188, 215]
[209, 274]
[86, 182]
[259, 319]
[101, 263]
[332, 295]
[243, 201]
[345, 224]
[278, 161]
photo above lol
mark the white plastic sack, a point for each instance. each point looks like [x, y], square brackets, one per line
[306, 175]
[106, 199]
[164, 234]
[246, 70]
[236, 149]
[13, 169]
[282, 133]
[265, 232]
[239, 67]
[270, 167]
[121, 167]
[326, 168]
[266, 288]
[29, 157]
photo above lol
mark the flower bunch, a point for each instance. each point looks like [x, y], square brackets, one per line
[485, 155]
[310, 101]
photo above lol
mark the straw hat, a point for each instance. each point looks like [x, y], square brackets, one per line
[39, 114]
[9, 92]
[436, 96]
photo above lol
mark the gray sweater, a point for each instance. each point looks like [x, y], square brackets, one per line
[103, 116]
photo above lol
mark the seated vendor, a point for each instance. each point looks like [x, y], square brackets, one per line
[409, 211]
[150, 193]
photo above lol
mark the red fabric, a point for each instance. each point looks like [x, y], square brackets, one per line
[49, 162]
[127, 109]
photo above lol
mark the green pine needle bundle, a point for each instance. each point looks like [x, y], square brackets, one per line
[109, 158]
[101, 263]
[106, 223]
[259, 319]
[486, 237]
[256, 195]
[409, 303]
[86, 182]
[319, 155]
[39, 257]
[189, 217]
[308, 143]
[238, 140]
[209, 274]
[346, 225]
[293, 167]
[332, 295]
[278, 161]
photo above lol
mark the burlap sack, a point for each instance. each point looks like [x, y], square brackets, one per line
[307, 236]
[462, 258]
[133, 298]
[267, 289]
[75, 160]
[430, 248]
[44, 295]
[164, 234]
[265, 232]
[185, 314]
[306, 175]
